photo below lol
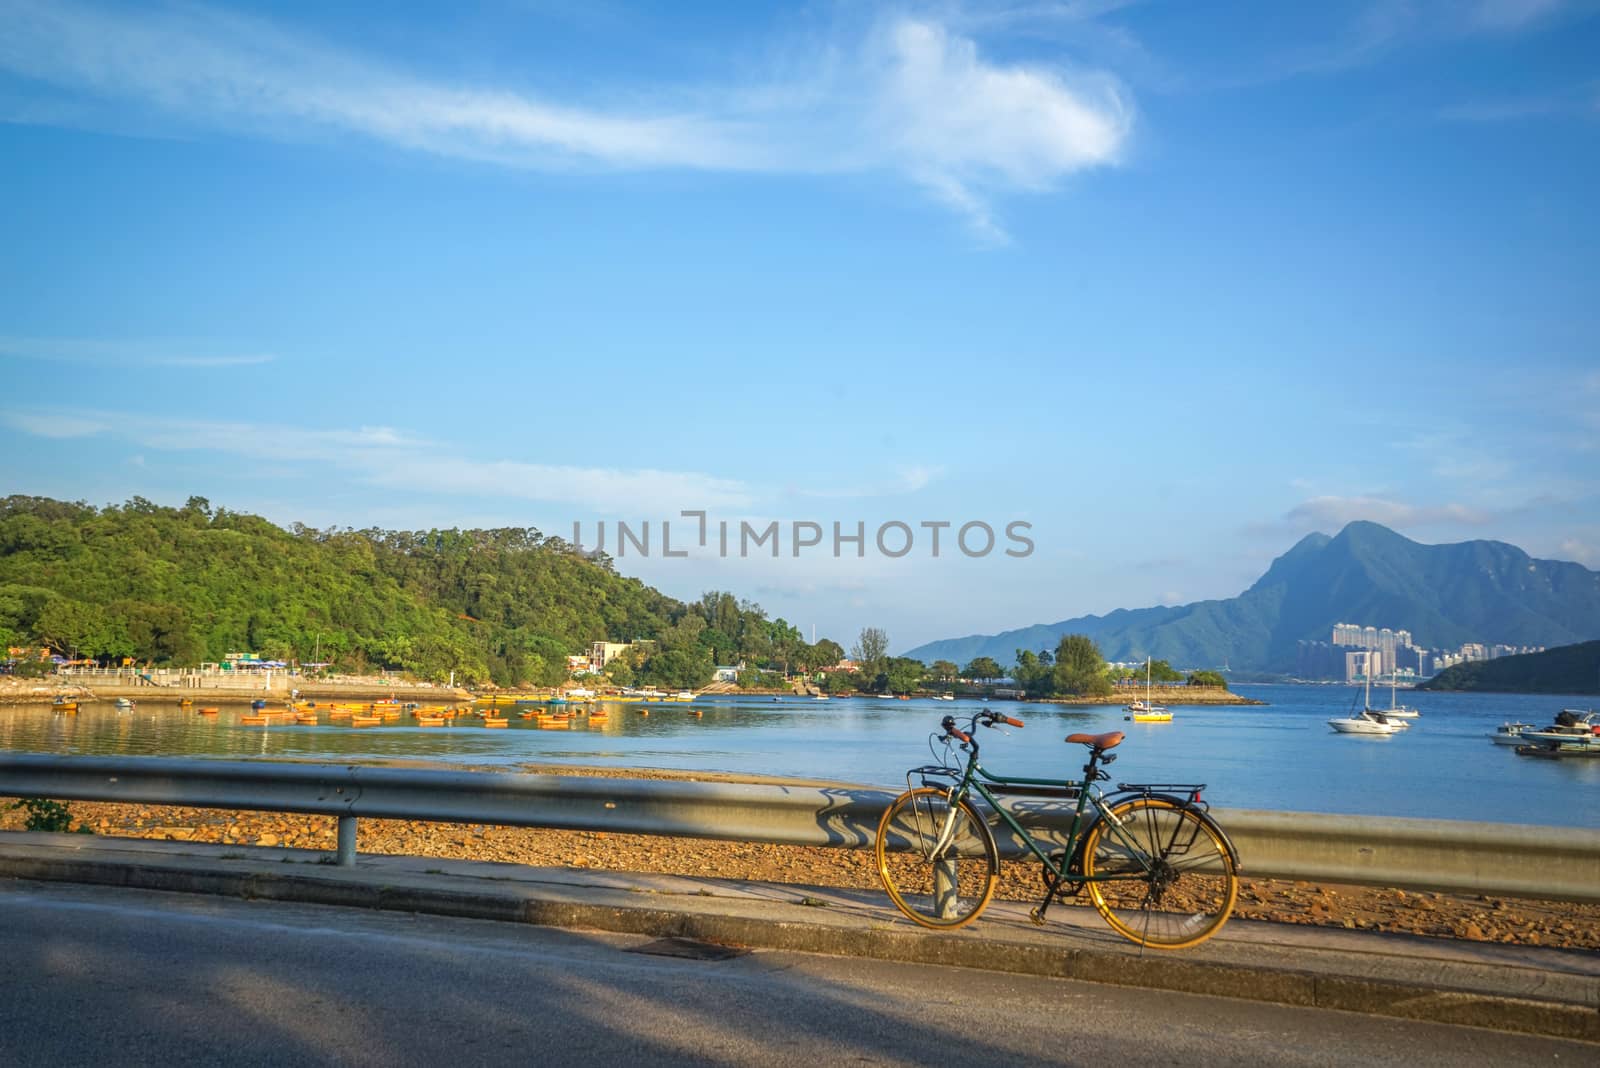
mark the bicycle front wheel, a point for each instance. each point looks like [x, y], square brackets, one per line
[1160, 874]
[938, 861]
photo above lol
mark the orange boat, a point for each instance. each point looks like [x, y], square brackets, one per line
[208, 711]
[253, 721]
[495, 721]
[365, 721]
[430, 721]
[306, 717]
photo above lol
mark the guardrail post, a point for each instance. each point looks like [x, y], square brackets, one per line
[347, 841]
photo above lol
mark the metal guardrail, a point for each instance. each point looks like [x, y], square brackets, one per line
[1443, 855]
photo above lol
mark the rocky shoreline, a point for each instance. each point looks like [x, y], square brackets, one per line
[1477, 918]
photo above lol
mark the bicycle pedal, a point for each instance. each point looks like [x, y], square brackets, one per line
[1037, 916]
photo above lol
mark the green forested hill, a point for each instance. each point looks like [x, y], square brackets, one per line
[181, 585]
[1569, 669]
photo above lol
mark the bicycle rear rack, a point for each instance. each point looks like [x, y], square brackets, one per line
[1189, 791]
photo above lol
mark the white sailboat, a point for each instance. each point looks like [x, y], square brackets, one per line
[1146, 711]
[1396, 710]
[1368, 720]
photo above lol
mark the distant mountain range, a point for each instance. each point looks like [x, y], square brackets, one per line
[1474, 591]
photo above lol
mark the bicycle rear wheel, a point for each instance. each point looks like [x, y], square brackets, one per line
[938, 861]
[1160, 874]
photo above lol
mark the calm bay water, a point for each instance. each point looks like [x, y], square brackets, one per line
[1281, 756]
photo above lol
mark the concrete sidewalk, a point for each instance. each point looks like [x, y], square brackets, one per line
[1525, 989]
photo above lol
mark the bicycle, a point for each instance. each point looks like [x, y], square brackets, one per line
[1155, 864]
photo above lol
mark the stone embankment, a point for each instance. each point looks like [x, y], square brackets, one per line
[221, 690]
[1162, 695]
[1476, 918]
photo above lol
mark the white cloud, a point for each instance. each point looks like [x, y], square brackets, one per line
[1579, 552]
[123, 353]
[959, 123]
[61, 425]
[1510, 14]
[384, 456]
[1320, 512]
[906, 96]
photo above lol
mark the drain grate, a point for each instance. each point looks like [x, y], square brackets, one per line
[689, 949]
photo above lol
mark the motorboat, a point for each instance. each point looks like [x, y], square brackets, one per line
[1366, 721]
[1574, 728]
[1510, 733]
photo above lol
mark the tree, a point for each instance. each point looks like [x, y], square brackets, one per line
[983, 667]
[1161, 671]
[1207, 678]
[829, 652]
[903, 674]
[1080, 669]
[944, 670]
[619, 671]
[1031, 673]
[871, 647]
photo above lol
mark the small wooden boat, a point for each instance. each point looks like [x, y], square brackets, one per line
[186, 702]
[309, 718]
[365, 721]
[208, 711]
[340, 713]
[495, 721]
[253, 721]
[430, 721]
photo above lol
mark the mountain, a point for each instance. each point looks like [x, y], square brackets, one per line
[1569, 669]
[1483, 591]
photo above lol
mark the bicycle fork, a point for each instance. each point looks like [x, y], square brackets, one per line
[946, 884]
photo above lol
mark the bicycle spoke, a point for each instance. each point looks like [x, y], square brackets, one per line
[937, 860]
[1161, 877]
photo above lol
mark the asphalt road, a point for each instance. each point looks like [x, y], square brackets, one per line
[116, 977]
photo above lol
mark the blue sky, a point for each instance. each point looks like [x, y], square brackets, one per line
[1173, 283]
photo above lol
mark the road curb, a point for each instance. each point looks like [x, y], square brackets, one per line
[247, 878]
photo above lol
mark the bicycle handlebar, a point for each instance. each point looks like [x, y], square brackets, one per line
[985, 717]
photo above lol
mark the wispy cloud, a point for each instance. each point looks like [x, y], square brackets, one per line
[1582, 99]
[904, 95]
[384, 456]
[903, 481]
[1328, 511]
[124, 353]
[1504, 15]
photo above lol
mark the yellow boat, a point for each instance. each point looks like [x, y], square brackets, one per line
[306, 717]
[253, 721]
[495, 721]
[430, 721]
[365, 721]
